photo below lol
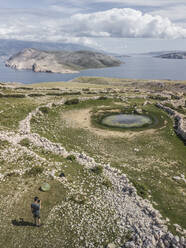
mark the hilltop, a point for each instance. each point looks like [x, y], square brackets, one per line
[60, 61]
[124, 187]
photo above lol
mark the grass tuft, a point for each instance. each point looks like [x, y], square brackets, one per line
[97, 170]
[71, 157]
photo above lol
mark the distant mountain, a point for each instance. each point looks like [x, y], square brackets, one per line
[10, 47]
[60, 61]
[173, 55]
[161, 54]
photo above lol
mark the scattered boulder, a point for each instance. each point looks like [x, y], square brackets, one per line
[176, 178]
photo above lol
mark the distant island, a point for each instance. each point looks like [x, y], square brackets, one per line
[60, 61]
[172, 55]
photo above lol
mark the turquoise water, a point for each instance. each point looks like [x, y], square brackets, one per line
[126, 120]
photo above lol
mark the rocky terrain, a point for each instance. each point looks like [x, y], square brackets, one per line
[93, 201]
[173, 55]
[59, 61]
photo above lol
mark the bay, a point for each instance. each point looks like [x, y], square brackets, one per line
[134, 67]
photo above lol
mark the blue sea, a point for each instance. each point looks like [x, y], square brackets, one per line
[134, 67]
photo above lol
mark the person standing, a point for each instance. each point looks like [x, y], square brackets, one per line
[35, 208]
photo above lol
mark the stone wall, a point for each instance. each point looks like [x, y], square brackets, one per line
[180, 120]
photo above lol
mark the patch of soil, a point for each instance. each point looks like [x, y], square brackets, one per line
[82, 119]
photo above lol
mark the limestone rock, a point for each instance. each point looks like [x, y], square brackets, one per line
[111, 245]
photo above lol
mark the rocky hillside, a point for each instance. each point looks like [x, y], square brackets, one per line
[59, 61]
[173, 55]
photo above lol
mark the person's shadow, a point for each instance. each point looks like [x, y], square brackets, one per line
[21, 222]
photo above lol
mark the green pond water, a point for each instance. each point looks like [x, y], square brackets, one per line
[126, 120]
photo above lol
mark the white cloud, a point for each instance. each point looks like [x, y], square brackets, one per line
[174, 13]
[123, 23]
[42, 25]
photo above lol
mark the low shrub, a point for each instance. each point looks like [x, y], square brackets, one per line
[72, 101]
[44, 110]
[25, 142]
[97, 170]
[71, 157]
[141, 189]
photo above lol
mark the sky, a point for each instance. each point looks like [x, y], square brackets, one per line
[115, 26]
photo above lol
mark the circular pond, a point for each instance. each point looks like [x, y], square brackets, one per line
[127, 120]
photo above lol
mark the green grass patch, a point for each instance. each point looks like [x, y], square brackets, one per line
[71, 158]
[25, 142]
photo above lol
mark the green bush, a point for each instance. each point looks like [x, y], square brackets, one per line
[72, 101]
[25, 142]
[71, 157]
[97, 170]
[141, 189]
[44, 110]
